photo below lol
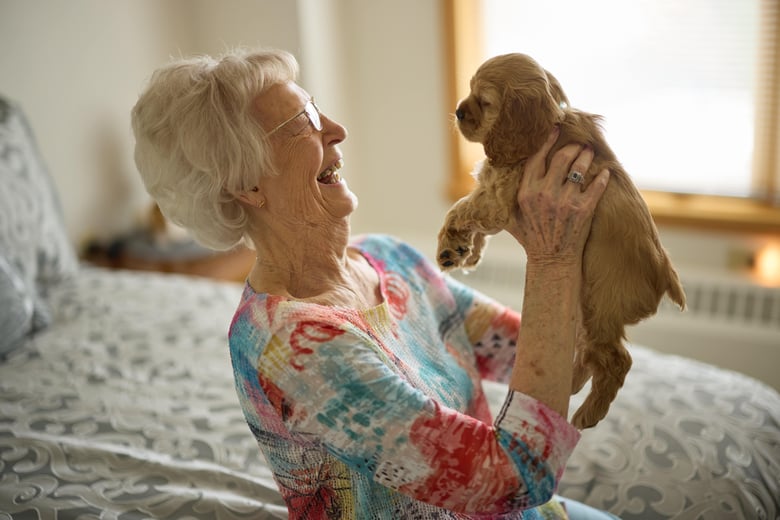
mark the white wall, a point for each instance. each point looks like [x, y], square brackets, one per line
[77, 67]
[401, 125]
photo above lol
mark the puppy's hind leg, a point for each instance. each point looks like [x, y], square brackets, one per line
[581, 371]
[609, 364]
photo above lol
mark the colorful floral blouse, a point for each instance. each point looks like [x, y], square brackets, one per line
[379, 413]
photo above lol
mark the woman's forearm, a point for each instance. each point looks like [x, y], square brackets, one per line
[545, 344]
[552, 224]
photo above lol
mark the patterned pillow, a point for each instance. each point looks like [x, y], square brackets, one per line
[17, 315]
[33, 242]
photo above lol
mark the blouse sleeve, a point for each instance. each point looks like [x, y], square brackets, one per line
[491, 329]
[343, 391]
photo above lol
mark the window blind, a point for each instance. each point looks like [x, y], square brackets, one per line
[688, 90]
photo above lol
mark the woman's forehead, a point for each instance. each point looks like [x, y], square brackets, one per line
[279, 101]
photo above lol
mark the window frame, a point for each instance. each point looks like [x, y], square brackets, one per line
[464, 48]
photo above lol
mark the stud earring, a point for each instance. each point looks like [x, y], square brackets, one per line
[260, 203]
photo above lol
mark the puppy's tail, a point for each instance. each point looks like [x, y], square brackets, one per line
[675, 289]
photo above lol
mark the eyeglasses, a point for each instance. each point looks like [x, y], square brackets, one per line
[312, 113]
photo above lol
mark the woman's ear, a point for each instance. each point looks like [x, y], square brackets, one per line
[251, 197]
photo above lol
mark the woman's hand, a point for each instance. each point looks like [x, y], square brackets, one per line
[554, 217]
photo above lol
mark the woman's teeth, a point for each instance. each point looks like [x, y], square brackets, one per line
[330, 176]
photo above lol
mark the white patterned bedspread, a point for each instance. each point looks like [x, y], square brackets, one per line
[125, 408]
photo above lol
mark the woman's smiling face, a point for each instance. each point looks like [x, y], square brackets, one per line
[307, 189]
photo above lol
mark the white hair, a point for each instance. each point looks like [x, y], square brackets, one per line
[198, 141]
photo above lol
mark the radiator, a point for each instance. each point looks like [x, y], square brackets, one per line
[731, 322]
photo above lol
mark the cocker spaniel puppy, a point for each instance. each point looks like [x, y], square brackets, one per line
[513, 105]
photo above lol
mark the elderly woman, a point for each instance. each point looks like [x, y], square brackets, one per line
[357, 363]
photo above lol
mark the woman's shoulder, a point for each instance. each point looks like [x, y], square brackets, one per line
[374, 241]
[260, 316]
[388, 249]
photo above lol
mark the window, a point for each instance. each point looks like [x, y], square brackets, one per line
[689, 92]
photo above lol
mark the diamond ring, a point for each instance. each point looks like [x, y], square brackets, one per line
[575, 177]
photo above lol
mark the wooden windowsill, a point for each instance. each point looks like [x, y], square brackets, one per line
[714, 213]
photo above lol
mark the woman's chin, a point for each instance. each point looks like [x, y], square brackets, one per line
[342, 201]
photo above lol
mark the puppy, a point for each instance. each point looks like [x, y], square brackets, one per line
[513, 106]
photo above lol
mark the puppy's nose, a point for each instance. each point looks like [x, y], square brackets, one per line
[460, 114]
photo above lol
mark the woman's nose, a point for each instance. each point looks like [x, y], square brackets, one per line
[333, 130]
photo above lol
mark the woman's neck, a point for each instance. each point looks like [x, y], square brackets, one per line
[313, 265]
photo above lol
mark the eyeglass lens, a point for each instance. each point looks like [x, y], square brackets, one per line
[313, 113]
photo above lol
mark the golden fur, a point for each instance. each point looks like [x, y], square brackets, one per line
[511, 109]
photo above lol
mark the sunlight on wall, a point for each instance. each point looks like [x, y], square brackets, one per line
[767, 264]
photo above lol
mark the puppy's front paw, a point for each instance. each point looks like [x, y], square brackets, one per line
[452, 258]
[454, 250]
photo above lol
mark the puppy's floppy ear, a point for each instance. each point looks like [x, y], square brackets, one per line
[528, 113]
[556, 90]
[506, 140]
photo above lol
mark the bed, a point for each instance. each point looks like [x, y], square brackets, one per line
[117, 397]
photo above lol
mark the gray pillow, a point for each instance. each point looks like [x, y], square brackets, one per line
[16, 319]
[33, 243]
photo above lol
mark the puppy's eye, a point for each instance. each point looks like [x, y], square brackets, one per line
[483, 103]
